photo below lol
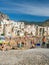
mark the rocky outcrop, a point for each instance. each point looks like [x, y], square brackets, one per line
[3, 16]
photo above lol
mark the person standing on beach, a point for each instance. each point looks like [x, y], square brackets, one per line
[43, 41]
[32, 43]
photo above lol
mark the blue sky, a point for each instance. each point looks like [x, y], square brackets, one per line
[28, 10]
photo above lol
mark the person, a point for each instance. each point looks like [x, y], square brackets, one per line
[6, 47]
[3, 47]
[32, 43]
[43, 41]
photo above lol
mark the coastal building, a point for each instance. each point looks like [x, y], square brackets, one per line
[1, 28]
[12, 28]
[6, 21]
[17, 28]
[48, 31]
[8, 30]
[42, 31]
[33, 30]
[7, 27]
[27, 29]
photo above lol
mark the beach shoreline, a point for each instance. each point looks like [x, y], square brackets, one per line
[37, 56]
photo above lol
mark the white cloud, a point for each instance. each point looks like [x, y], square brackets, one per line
[27, 8]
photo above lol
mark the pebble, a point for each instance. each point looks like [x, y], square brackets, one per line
[25, 57]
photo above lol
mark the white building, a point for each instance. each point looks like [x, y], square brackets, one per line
[12, 28]
[33, 30]
[6, 21]
[8, 30]
[7, 27]
[30, 29]
[27, 28]
[48, 31]
[42, 31]
[1, 28]
[18, 26]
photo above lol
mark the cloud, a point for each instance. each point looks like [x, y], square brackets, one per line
[26, 8]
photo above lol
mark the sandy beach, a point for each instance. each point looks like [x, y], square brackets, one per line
[37, 56]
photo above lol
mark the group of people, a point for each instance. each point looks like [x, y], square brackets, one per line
[21, 42]
[4, 47]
